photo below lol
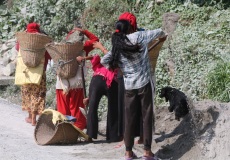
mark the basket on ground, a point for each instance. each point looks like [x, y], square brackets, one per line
[46, 133]
[32, 47]
[64, 56]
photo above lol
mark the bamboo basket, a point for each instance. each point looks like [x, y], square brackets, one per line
[64, 56]
[46, 133]
[154, 53]
[32, 47]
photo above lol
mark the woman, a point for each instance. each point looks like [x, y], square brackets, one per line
[121, 88]
[33, 95]
[69, 103]
[130, 54]
[103, 83]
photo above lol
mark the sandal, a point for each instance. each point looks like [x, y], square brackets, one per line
[150, 157]
[131, 158]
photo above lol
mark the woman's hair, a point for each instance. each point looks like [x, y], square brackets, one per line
[121, 44]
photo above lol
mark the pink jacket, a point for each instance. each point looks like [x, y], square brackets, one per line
[99, 69]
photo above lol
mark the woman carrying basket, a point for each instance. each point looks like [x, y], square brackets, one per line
[33, 95]
[130, 54]
[68, 103]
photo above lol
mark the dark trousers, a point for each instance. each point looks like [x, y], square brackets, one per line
[97, 89]
[121, 111]
[135, 100]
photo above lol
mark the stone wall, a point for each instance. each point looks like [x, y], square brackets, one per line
[8, 58]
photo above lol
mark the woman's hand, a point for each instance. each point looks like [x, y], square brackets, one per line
[86, 101]
[80, 59]
[98, 45]
[78, 29]
[162, 39]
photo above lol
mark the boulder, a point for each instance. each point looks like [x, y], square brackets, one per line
[9, 69]
[5, 60]
[4, 48]
[13, 54]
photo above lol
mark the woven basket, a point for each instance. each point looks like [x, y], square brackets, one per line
[64, 56]
[46, 133]
[32, 47]
[154, 53]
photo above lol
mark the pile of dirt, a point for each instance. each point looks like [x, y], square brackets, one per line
[202, 134]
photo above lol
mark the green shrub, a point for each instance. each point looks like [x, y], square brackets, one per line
[56, 17]
[218, 82]
[100, 16]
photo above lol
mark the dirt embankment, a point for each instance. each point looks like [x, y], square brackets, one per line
[203, 134]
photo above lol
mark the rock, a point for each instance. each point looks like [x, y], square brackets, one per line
[4, 48]
[13, 54]
[11, 43]
[1, 70]
[159, 1]
[9, 69]
[5, 60]
[4, 81]
[169, 66]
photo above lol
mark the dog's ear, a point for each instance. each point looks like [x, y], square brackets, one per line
[162, 92]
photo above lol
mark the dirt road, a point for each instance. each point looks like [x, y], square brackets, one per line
[17, 141]
[203, 135]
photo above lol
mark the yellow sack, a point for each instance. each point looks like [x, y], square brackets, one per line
[57, 116]
[28, 75]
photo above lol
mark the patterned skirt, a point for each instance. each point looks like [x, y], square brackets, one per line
[33, 96]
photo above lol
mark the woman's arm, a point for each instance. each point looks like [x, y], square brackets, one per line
[98, 45]
[148, 36]
[90, 35]
[80, 58]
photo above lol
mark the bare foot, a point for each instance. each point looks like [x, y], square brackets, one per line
[33, 122]
[28, 120]
[86, 101]
[119, 144]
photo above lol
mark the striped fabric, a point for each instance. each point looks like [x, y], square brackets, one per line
[136, 71]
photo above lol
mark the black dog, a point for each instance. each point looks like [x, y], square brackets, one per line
[177, 101]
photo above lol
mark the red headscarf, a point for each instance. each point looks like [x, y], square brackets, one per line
[129, 17]
[33, 28]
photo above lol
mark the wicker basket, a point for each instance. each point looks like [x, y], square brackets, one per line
[32, 47]
[46, 133]
[154, 53]
[64, 56]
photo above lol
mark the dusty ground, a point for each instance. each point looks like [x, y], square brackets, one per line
[202, 135]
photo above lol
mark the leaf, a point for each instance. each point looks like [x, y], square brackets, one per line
[5, 27]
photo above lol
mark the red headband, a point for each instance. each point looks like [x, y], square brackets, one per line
[33, 28]
[117, 30]
[129, 17]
